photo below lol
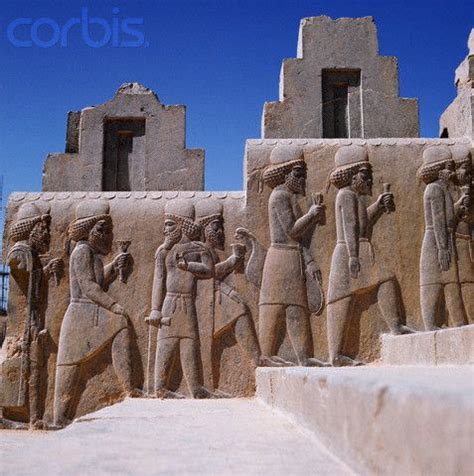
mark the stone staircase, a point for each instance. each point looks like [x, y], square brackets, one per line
[411, 413]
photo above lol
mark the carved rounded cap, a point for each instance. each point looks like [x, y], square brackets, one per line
[207, 208]
[461, 153]
[350, 155]
[282, 154]
[181, 208]
[436, 154]
[29, 210]
[92, 208]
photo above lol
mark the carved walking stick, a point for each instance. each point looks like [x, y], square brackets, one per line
[386, 189]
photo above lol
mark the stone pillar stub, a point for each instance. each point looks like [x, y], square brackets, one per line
[458, 118]
[345, 45]
[156, 157]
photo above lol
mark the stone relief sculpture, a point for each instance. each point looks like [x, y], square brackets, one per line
[30, 234]
[439, 260]
[93, 318]
[354, 268]
[289, 270]
[179, 262]
[465, 227]
[229, 311]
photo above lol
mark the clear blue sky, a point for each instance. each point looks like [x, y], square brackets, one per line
[221, 58]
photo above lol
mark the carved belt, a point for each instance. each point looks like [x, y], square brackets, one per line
[463, 237]
[82, 301]
[361, 240]
[181, 296]
[284, 246]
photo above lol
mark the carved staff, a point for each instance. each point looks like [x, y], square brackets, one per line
[123, 245]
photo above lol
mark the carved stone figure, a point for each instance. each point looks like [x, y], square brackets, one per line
[31, 235]
[438, 260]
[179, 262]
[465, 227]
[289, 268]
[230, 312]
[354, 268]
[93, 318]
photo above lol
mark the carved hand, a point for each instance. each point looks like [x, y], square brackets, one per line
[122, 261]
[181, 262]
[386, 202]
[444, 259]
[314, 271]
[244, 236]
[118, 309]
[154, 319]
[317, 211]
[354, 267]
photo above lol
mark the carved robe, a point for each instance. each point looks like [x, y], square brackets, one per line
[439, 234]
[88, 324]
[353, 240]
[283, 280]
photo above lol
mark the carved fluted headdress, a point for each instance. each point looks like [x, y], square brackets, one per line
[461, 154]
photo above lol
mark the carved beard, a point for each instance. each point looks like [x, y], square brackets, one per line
[295, 184]
[39, 239]
[173, 237]
[446, 176]
[215, 238]
[100, 242]
[361, 186]
[463, 177]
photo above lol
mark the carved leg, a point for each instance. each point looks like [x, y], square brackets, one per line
[299, 332]
[429, 298]
[67, 377]
[246, 338]
[454, 304]
[268, 327]
[190, 360]
[467, 291]
[387, 299]
[122, 362]
[164, 358]
[337, 319]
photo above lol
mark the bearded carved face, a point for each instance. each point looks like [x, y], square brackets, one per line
[296, 179]
[447, 174]
[215, 235]
[362, 181]
[101, 237]
[172, 232]
[464, 174]
[40, 237]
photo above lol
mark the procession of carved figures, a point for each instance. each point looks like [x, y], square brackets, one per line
[286, 275]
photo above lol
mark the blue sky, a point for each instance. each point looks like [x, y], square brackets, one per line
[220, 58]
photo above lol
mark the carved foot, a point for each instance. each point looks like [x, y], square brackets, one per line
[345, 361]
[313, 362]
[13, 425]
[135, 393]
[165, 393]
[403, 330]
[38, 425]
[219, 394]
[432, 328]
[274, 362]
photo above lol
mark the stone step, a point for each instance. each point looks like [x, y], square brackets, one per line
[382, 420]
[140, 436]
[452, 346]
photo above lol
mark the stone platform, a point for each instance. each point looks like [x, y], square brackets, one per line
[444, 347]
[382, 420]
[219, 437]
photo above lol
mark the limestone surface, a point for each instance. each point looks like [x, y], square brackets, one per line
[142, 437]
